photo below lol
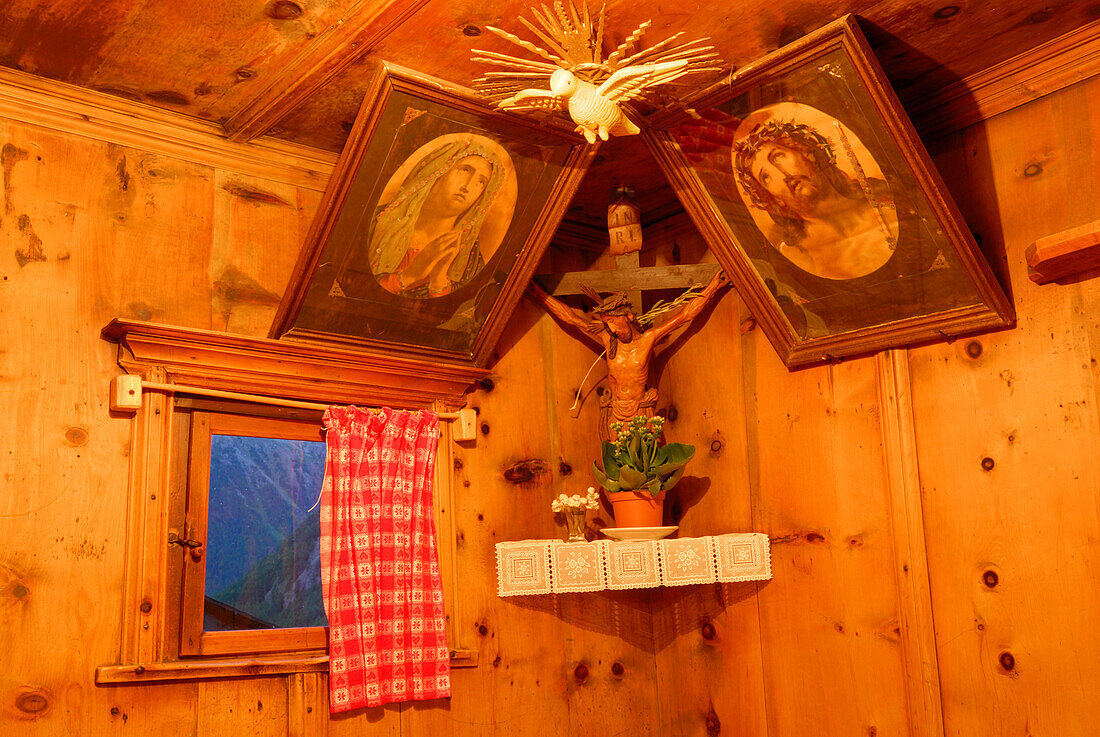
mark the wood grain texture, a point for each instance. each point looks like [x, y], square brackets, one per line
[307, 705]
[210, 359]
[124, 231]
[254, 707]
[64, 516]
[1006, 433]
[100, 116]
[363, 26]
[710, 670]
[822, 492]
[1038, 71]
[1011, 544]
[917, 627]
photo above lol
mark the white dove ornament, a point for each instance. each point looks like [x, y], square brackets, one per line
[596, 110]
[594, 114]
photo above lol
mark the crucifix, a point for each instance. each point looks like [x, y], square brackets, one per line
[627, 335]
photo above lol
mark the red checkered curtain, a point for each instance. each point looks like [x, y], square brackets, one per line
[379, 570]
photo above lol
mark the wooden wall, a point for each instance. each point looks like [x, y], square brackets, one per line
[999, 436]
[839, 643]
[91, 229]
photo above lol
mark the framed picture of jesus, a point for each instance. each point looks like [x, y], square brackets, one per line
[811, 186]
[435, 216]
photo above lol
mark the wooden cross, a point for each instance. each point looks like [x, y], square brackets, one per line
[630, 279]
[628, 276]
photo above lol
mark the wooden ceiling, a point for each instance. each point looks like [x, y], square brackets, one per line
[296, 69]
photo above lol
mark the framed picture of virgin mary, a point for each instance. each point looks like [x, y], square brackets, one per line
[434, 218]
[812, 188]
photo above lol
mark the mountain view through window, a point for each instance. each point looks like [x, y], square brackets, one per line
[263, 551]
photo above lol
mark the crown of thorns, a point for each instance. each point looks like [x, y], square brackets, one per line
[746, 149]
[611, 306]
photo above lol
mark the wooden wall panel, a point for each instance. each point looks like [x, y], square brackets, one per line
[507, 691]
[829, 619]
[797, 455]
[709, 666]
[249, 273]
[91, 230]
[609, 646]
[1008, 440]
[64, 467]
[256, 706]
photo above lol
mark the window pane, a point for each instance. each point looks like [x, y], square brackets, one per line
[262, 564]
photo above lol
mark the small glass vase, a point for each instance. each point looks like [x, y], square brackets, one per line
[574, 525]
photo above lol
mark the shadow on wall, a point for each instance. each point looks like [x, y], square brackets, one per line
[959, 182]
[648, 619]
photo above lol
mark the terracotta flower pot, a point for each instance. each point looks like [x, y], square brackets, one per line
[637, 509]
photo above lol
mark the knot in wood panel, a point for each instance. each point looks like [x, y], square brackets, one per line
[524, 471]
[34, 701]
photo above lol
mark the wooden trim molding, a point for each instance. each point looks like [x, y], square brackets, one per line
[190, 670]
[918, 633]
[1049, 67]
[143, 621]
[283, 368]
[150, 646]
[102, 117]
[362, 28]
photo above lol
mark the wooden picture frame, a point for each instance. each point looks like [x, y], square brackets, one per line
[436, 215]
[805, 177]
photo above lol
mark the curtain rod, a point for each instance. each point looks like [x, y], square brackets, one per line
[260, 399]
[128, 387]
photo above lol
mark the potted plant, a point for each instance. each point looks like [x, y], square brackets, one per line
[638, 470]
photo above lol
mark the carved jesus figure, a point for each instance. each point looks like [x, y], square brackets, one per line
[629, 346]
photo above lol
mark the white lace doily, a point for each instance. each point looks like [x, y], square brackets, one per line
[551, 566]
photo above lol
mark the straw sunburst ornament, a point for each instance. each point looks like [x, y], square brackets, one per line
[591, 88]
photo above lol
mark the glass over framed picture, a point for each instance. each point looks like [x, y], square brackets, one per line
[811, 186]
[437, 212]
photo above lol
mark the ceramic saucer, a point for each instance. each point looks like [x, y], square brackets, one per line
[638, 533]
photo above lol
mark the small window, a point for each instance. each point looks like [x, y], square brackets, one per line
[251, 574]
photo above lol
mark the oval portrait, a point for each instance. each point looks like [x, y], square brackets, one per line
[442, 216]
[814, 190]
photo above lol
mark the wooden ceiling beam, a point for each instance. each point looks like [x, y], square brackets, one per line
[366, 24]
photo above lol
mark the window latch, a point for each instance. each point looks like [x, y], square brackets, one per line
[195, 546]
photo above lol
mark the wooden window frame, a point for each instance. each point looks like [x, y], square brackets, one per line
[153, 578]
[195, 641]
